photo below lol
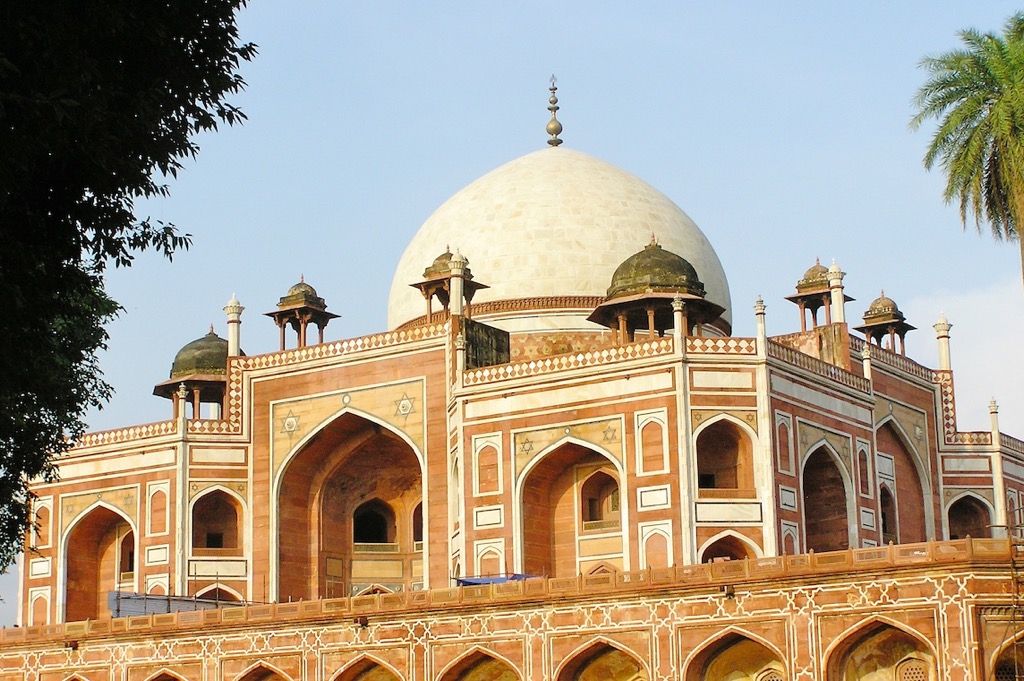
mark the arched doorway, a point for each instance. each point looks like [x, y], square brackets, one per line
[969, 517]
[826, 523]
[100, 557]
[345, 513]
[570, 496]
[603, 662]
[736, 657]
[881, 651]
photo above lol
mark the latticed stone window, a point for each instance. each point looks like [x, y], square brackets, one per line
[1007, 671]
[771, 675]
[912, 670]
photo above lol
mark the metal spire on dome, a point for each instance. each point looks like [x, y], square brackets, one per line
[554, 127]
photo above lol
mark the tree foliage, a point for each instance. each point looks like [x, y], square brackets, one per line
[100, 103]
[977, 95]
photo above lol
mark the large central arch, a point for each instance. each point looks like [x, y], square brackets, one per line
[828, 502]
[99, 558]
[571, 505]
[347, 500]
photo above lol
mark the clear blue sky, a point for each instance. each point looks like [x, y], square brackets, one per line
[780, 128]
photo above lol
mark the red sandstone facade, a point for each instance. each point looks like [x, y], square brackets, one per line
[682, 505]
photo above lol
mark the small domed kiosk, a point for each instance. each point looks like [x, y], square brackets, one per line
[884, 320]
[643, 289]
[299, 308]
[437, 283]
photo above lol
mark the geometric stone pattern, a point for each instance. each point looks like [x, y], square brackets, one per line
[659, 617]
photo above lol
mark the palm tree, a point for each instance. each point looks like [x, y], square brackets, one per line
[977, 95]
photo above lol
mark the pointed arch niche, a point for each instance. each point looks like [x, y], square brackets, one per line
[366, 669]
[346, 503]
[479, 665]
[571, 512]
[100, 557]
[262, 672]
[217, 524]
[725, 465]
[826, 502]
[910, 480]
[881, 650]
[735, 656]
[728, 546]
[969, 516]
[602, 661]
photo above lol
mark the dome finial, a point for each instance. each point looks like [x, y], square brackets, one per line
[554, 127]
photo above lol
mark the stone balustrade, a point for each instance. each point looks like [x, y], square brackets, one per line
[713, 576]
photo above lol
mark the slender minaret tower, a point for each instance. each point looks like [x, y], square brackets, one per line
[835, 285]
[234, 312]
[457, 269]
[942, 328]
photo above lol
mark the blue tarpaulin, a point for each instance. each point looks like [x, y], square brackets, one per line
[495, 579]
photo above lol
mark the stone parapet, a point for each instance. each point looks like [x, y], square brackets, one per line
[679, 581]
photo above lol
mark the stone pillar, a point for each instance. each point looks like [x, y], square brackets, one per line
[1002, 526]
[179, 406]
[942, 328]
[460, 359]
[678, 324]
[865, 358]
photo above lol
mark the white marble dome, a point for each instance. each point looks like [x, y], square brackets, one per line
[550, 224]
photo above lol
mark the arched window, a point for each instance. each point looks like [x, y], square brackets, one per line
[126, 556]
[723, 459]
[784, 453]
[890, 532]
[42, 526]
[455, 495]
[215, 522]
[600, 502]
[157, 512]
[863, 474]
[417, 525]
[968, 517]
[373, 523]
[652, 440]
